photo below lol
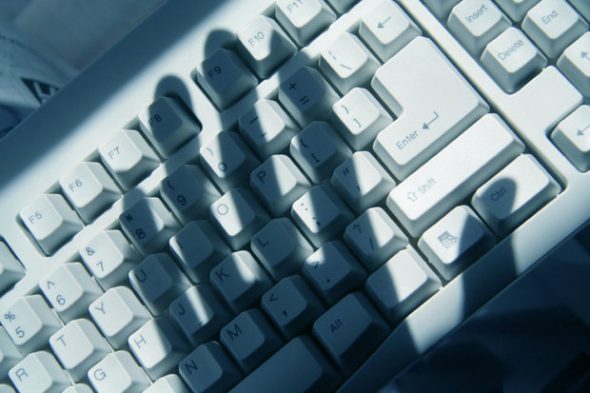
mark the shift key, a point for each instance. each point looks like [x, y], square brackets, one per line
[432, 101]
[453, 174]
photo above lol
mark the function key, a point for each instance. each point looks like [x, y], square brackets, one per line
[553, 25]
[167, 125]
[303, 19]
[264, 45]
[89, 189]
[128, 157]
[51, 221]
[225, 78]
[512, 59]
[387, 29]
[476, 22]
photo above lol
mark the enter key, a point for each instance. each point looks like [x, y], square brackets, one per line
[432, 101]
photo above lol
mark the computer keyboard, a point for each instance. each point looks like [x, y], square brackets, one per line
[289, 195]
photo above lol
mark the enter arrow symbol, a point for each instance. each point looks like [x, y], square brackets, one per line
[585, 55]
[582, 132]
[426, 125]
[381, 24]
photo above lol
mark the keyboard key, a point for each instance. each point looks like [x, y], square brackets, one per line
[575, 64]
[400, 285]
[387, 29]
[118, 313]
[280, 247]
[358, 117]
[5, 388]
[572, 136]
[70, 290]
[167, 125]
[78, 388]
[264, 45]
[455, 241]
[553, 25]
[11, 271]
[225, 78]
[198, 248]
[445, 180]
[51, 221]
[306, 95]
[238, 216]
[374, 237]
[188, 192]
[433, 101]
[39, 372]
[29, 322]
[240, 280]
[168, 384]
[476, 22]
[514, 194]
[78, 346]
[512, 59]
[320, 214]
[249, 339]
[148, 224]
[303, 19]
[291, 306]
[278, 183]
[128, 157]
[157, 346]
[9, 353]
[350, 330]
[361, 181]
[109, 257]
[267, 128]
[208, 369]
[318, 150]
[157, 280]
[118, 373]
[516, 9]
[199, 313]
[227, 159]
[347, 63]
[89, 189]
[333, 271]
[441, 8]
[313, 372]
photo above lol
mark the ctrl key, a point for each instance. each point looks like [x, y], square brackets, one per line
[118, 373]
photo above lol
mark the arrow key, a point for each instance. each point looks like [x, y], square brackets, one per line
[575, 63]
[572, 136]
[291, 305]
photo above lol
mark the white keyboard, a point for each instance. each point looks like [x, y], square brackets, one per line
[289, 195]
